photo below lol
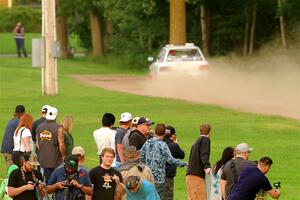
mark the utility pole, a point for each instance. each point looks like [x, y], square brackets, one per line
[49, 71]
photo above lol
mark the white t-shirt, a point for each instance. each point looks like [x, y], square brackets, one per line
[26, 133]
[105, 137]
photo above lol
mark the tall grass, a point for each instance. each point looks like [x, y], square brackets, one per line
[272, 136]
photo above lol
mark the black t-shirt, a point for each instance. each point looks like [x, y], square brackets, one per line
[199, 157]
[137, 139]
[15, 180]
[35, 125]
[104, 185]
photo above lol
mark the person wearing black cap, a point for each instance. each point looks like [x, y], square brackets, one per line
[7, 141]
[69, 182]
[138, 136]
[178, 153]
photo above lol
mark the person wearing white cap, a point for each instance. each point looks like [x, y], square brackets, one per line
[233, 168]
[125, 123]
[80, 152]
[37, 122]
[50, 143]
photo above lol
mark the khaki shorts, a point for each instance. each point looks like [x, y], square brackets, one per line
[196, 187]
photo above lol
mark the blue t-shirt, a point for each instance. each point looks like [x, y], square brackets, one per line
[8, 141]
[60, 174]
[118, 140]
[251, 180]
[147, 192]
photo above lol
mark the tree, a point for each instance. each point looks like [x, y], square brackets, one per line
[97, 45]
[177, 22]
[62, 29]
[204, 21]
[252, 33]
[282, 25]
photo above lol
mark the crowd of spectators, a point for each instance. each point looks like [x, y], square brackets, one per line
[136, 161]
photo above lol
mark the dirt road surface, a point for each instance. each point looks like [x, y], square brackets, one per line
[266, 83]
[250, 93]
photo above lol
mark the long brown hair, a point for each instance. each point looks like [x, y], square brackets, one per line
[67, 124]
[25, 121]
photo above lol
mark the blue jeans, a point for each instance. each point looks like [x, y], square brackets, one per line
[20, 46]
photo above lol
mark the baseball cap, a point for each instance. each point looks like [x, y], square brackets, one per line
[45, 108]
[144, 120]
[78, 150]
[170, 130]
[135, 120]
[51, 113]
[131, 152]
[33, 159]
[71, 162]
[132, 182]
[243, 147]
[125, 117]
[19, 109]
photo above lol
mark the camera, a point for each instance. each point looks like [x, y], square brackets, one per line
[68, 195]
[276, 185]
[70, 178]
[36, 181]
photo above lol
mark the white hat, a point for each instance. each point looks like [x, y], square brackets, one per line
[78, 150]
[125, 117]
[45, 108]
[135, 120]
[243, 147]
[51, 113]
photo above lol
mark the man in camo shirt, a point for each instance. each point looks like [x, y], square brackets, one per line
[155, 153]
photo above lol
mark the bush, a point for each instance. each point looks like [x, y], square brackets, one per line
[30, 18]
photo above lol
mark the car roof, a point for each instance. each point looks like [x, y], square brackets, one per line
[186, 46]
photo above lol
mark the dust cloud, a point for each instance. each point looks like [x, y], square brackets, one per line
[266, 83]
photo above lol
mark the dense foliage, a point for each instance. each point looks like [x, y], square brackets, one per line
[140, 28]
[30, 17]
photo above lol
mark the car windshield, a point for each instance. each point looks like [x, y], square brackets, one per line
[178, 55]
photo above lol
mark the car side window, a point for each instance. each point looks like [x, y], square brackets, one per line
[161, 55]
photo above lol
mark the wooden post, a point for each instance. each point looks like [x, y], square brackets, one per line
[49, 73]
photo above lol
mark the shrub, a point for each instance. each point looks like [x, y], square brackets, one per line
[30, 18]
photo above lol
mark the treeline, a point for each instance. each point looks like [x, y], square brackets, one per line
[133, 29]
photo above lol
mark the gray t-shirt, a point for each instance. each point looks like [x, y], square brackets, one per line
[118, 139]
[47, 136]
[227, 174]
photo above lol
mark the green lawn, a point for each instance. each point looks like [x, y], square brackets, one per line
[272, 136]
[8, 46]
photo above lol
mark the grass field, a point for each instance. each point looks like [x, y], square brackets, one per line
[8, 45]
[272, 136]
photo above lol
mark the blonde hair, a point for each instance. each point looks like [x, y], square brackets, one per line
[67, 124]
